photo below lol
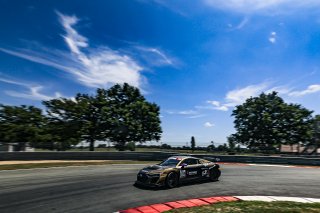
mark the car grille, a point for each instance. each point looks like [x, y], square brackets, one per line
[142, 177]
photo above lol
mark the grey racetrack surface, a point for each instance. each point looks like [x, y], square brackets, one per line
[110, 188]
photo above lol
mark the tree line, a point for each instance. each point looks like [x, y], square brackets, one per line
[119, 114]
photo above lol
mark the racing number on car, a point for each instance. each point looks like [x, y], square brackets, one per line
[205, 172]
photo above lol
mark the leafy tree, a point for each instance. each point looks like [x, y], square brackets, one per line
[165, 146]
[83, 117]
[316, 127]
[266, 121]
[193, 143]
[316, 133]
[299, 125]
[231, 143]
[131, 117]
[21, 125]
[120, 114]
[131, 146]
[222, 148]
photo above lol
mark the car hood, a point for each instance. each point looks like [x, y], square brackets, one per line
[155, 168]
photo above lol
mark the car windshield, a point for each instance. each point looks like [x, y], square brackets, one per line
[170, 162]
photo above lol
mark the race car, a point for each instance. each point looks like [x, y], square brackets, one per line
[178, 169]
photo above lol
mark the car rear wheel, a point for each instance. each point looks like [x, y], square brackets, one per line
[172, 180]
[214, 174]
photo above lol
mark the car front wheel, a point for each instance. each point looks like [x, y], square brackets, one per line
[215, 174]
[172, 180]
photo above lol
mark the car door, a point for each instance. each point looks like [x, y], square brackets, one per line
[204, 169]
[193, 168]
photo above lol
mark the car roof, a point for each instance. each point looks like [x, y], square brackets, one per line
[183, 157]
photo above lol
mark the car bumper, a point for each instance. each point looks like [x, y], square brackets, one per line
[149, 180]
[139, 183]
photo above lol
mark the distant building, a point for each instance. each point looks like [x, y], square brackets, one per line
[13, 147]
[298, 149]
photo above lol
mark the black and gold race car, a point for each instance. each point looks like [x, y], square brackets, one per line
[178, 169]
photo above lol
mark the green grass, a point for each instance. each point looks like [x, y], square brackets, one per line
[64, 164]
[253, 207]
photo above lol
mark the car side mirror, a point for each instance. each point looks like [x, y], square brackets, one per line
[183, 165]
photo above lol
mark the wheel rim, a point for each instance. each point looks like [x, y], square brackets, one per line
[172, 179]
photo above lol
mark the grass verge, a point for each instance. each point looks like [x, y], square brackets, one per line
[253, 207]
[64, 164]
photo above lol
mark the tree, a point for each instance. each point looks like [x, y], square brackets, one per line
[120, 114]
[231, 143]
[84, 117]
[21, 125]
[131, 146]
[165, 146]
[131, 117]
[222, 148]
[315, 134]
[299, 125]
[266, 121]
[193, 143]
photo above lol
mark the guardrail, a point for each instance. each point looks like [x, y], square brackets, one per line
[150, 156]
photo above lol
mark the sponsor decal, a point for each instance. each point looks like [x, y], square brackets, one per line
[182, 173]
[192, 172]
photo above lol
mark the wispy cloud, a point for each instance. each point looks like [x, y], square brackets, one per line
[182, 112]
[243, 23]
[252, 6]
[197, 116]
[155, 56]
[31, 91]
[311, 89]
[238, 96]
[208, 124]
[101, 66]
[93, 67]
[217, 106]
[272, 37]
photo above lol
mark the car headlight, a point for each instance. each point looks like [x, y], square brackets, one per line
[154, 175]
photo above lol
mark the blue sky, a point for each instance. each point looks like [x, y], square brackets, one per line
[196, 59]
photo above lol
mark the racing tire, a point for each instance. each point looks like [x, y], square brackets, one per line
[214, 174]
[172, 180]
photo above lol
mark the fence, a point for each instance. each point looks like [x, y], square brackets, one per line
[153, 156]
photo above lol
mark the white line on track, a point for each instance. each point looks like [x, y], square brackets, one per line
[271, 165]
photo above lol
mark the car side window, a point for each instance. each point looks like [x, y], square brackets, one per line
[191, 161]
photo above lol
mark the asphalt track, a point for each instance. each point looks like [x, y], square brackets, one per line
[110, 188]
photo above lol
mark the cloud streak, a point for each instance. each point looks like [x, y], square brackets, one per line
[254, 6]
[311, 89]
[238, 96]
[92, 67]
[33, 91]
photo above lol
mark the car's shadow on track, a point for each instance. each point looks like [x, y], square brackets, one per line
[166, 188]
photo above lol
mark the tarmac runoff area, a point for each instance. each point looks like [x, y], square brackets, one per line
[109, 188]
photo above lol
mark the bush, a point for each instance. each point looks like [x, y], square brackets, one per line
[131, 146]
